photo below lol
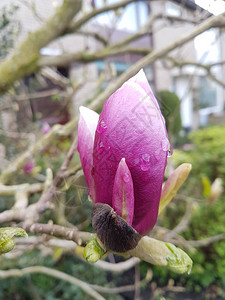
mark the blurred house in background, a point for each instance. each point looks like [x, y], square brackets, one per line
[200, 97]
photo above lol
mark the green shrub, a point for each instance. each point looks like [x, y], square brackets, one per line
[170, 106]
[208, 159]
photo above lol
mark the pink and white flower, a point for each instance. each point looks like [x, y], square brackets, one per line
[124, 152]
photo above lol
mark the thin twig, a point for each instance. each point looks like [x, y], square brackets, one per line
[10, 190]
[137, 282]
[54, 273]
[87, 17]
[207, 241]
[118, 267]
[58, 231]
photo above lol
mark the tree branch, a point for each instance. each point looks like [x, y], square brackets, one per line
[71, 234]
[207, 241]
[112, 50]
[84, 19]
[156, 54]
[6, 190]
[118, 267]
[24, 59]
[84, 57]
[93, 34]
[54, 273]
[40, 145]
[207, 67]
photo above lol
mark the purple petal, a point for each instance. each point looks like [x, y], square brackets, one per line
[29, 166]
[46, 128]
[140, 79]
[123, 193]
[134, 128]
[86, 132]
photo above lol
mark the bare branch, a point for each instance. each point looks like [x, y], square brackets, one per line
[207, 67]
[178, 240]
[95, 35]
[115, 49]
[84, 57]
[71, 234]
[24, 59]
[55, 77]
[54, 273]
[40, 95]
[182, 225]
[118, 267]
[146, 29]
[81, 21]
[113, 290]
[207, 241]
[156, 54]
[40, 145]
[10, 190]
[19, 135]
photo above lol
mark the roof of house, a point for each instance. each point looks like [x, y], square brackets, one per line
[188, 3]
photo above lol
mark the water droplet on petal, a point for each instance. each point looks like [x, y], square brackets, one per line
[170, 151]
[165, 144]
[125, 177]
[100, 147]
[145, 162]
[101, 127]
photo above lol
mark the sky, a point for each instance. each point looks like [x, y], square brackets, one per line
[206, 45]
[207, 39]
[128, 20]
[215, 7]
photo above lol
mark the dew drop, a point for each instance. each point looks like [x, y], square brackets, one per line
[165, 144]
[145, 162]
[101, 127]
[100, 147]
[170, 151]
[125, 177]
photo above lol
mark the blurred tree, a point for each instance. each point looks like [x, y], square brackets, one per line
[171, 102]
[9, 27]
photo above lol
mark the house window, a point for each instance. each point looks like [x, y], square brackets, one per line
[119, 68]
[132, 16]
[207, 93]
[173, 9]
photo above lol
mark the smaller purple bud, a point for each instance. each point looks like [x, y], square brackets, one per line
[28, 168]
[45, 128]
